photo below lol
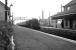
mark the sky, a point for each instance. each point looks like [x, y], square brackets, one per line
[33, 8]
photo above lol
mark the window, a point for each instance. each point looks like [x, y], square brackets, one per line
[68, 8]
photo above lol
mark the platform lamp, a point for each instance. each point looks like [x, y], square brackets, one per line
[10, 13]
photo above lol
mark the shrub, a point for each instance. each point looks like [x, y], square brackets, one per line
[5, 35]
[70, 34]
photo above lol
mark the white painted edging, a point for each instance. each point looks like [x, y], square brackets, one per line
[12, 42]
[66, 39]
[62, 38]
[69, 40]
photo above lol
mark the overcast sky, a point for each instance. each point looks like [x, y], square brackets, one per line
[33, 8]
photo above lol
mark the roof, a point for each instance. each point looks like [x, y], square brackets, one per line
[2, 3]
[71, 3]
[64, 14]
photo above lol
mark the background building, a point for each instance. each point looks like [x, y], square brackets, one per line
[44, 22]
[68, 16]
[2, 11]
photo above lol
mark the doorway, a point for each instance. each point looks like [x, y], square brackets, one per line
[71, 23]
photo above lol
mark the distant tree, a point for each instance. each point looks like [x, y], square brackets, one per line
[28, 24]
[33, 23]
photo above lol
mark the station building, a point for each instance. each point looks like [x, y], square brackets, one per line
[68, 16]
[2, 11]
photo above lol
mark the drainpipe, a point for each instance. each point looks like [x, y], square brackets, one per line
[6, 10]
[56, 23]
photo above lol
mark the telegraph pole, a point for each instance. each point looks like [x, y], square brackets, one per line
[12, 18]
[49, 18]
[42, 17]
[6, 10]
[42, 14]
[61, 7]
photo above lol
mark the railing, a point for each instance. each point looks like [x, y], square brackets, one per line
[19, 18]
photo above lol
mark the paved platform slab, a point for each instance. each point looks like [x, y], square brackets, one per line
[28, 39]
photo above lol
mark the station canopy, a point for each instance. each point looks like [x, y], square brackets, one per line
[65, 14]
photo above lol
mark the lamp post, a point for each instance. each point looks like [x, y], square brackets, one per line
[49, 18]
[10, 9]
[10, 12]
[6, 10]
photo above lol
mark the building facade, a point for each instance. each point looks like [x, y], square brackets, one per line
[2, 11]
[68, 16]
[44, 22]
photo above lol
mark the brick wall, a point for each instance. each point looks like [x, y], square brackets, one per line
[2, 12]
